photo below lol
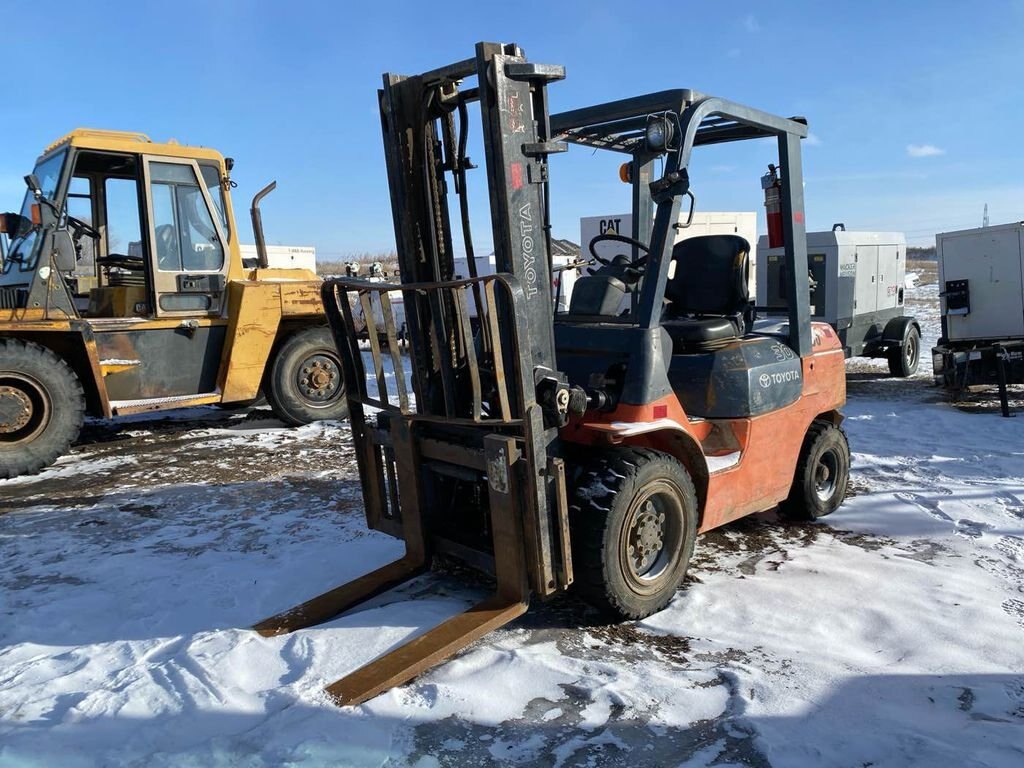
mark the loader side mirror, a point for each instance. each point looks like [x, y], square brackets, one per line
[65, 253]
[32, 182]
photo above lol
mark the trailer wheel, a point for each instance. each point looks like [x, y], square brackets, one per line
[822, 474]
[42, 406]
[634, 519]
[903, 359]
[305, 381]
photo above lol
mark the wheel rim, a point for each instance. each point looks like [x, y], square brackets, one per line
[826, 474]
[25, 408]
[652, 536]
[910, 351]
[319, 380]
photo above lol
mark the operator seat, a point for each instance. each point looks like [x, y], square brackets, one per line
[709, 305]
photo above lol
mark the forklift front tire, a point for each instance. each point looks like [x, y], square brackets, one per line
[822, 474]
[42, 406]
[634, 519]
[903, 359]
[305, 381]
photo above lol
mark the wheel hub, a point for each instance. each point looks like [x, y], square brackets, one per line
[319, 379]
[822, 476]
[825, 475]
[647, 537]
[15, 410]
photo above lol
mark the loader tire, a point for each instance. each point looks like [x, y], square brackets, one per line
[822, 474]
[42, 407]
[633, 514]
[305, 381]
[904, 358]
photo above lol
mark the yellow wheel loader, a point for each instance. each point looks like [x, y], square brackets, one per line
[171, 315]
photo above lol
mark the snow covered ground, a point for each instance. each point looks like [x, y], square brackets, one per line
[890, 634]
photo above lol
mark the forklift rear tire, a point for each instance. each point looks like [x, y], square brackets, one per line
[903, 359]
[634, 519]
[42, 406]
[305, 381]
[822, 474]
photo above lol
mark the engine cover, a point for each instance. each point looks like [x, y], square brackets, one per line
[754, 375]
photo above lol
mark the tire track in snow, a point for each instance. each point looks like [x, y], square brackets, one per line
[962, 527]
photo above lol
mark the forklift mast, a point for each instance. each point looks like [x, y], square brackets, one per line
[422, 143]
[464, 459]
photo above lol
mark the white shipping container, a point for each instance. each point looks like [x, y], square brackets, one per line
[991, 259]
[284, 256]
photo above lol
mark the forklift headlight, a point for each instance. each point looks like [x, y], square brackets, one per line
[658, 134]
[938, 363]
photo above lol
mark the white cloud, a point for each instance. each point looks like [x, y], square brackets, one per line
[812, 140]
[750, 23]
[924, 150]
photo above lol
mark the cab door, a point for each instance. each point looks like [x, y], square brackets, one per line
[188, 251]
[174, 354]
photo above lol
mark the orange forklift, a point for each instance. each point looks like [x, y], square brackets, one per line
[584, 449]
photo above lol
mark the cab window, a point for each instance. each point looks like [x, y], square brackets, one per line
[79, 206]
[124, 235]
[211, 178]
[186, 238]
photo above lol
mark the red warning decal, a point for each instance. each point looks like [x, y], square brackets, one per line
[798, 217]
[517, 175]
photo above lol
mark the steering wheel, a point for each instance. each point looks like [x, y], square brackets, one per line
[614, 237]
[81, 228]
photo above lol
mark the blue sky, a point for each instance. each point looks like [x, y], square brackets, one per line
[914, 107]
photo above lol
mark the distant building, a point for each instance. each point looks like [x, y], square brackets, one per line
[564, 248]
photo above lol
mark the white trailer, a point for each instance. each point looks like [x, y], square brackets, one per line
[742, 223]
[283, 256]
[981, 277]
[856, 287]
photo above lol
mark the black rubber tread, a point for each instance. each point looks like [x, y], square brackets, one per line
[803, 503]
[67, 403]
[603, 488]
[898, 365]
[280, 388]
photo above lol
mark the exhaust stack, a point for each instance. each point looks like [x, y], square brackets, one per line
[257, 225]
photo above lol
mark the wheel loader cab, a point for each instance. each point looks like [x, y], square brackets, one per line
[156, 231]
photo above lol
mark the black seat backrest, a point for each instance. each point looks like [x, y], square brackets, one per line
[710, 276]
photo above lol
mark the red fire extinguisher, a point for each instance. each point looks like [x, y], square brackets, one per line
[772, 186]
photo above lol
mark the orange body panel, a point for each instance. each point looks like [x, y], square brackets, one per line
[768, 445]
